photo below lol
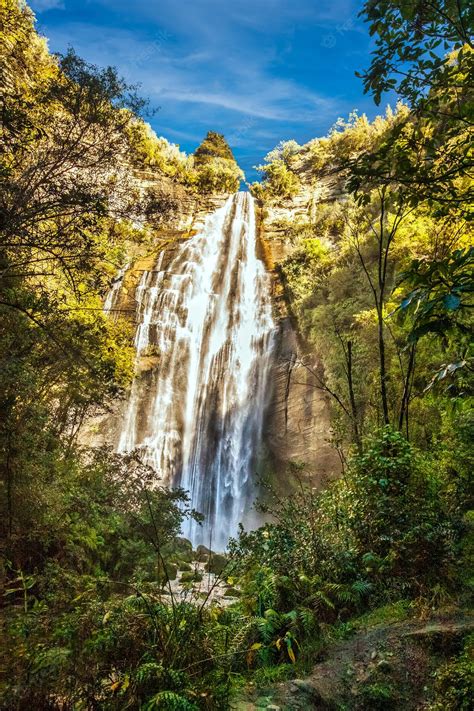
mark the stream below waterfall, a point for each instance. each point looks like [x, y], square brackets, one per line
[197, 417]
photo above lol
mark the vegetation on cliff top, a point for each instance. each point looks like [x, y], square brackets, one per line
[212, 169]
[88, 541]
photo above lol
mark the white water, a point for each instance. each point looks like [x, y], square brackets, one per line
[114, 292]
[197, 416]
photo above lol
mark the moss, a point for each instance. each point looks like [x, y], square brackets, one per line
[377, 695]
[386, 614]
[217, 563]
[454, 682]
[191, 576]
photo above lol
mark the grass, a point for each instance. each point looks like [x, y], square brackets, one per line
[386, 614]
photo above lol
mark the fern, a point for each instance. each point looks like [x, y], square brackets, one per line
[148, 671]
[308, 620]
[169, 701]
[362, 587]
[240, 641]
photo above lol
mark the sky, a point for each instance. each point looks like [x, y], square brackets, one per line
[258, 71]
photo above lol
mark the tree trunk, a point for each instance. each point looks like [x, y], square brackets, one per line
[382, 367]
[355, 421]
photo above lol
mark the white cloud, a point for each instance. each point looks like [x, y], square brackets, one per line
[240, 84]
[44, 5]
[210, 64]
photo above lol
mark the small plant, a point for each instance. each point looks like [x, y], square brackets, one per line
[377, 695]
[454, 682]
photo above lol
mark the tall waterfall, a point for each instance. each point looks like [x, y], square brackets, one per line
[197, 416]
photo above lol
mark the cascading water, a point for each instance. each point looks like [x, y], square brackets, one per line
[197, 416]
[114, 293]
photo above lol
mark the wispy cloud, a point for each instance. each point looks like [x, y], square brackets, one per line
[238, 85]
[44, 5]
[257, 70]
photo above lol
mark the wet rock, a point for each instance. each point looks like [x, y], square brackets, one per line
[202, 554]
[216, 563]
[191, 576]
[171, 571]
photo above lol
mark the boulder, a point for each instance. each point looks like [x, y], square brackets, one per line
[202, 554]
[191, 576]
[216, 563]
[171, 571]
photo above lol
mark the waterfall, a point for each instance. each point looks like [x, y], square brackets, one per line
[197, 414]
[114, 293]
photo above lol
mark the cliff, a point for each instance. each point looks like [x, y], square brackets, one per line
[169, 214]
[298, 426]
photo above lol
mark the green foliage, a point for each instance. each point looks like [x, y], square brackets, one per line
[426, 54]
[454, 685]
[213, 146]
[410, 42]
[92, 620]
[211, 170]
[387, 614]
[377, 695]
[279, 181]
[440, 300]
[285, 151]
[218, 175]
[345, 301]
[382, 531]
[307, 267]
[89, 541]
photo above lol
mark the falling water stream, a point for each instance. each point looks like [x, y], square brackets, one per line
[197, 416]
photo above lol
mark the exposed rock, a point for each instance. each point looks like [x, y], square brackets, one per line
[298, 425]
[202, 553]
[216, 563]
[192, 576]
[351, 677]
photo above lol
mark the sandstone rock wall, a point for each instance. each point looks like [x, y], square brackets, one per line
[298, 427]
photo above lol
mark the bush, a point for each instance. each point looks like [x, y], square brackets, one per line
[379, 533]
[454, 685]
[278, 182]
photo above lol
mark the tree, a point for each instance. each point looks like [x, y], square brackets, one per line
[411, 39]
[213, 146]
[425, 52]
[440, 302]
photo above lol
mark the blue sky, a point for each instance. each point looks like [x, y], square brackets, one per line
[259, 71]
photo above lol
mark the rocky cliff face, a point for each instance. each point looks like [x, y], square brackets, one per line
[180, 213]
[298, 426]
